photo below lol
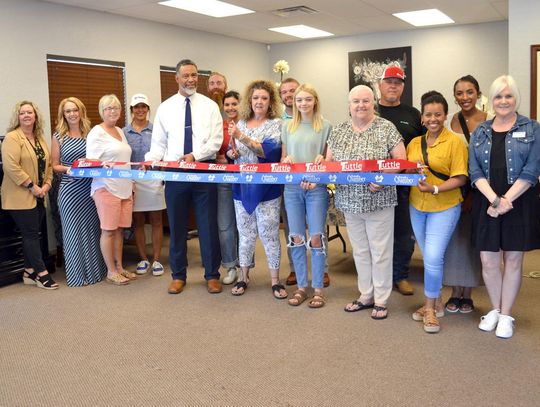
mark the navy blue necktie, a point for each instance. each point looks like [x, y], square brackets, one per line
[188, 132]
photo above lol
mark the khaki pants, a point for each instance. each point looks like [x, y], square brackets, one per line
[372, 239]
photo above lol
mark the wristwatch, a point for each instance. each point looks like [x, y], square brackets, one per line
[30, 185]
[435, 190]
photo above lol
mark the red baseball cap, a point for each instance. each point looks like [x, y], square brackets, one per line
[393, 72]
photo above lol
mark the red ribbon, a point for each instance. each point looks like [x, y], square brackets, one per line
[326, 166]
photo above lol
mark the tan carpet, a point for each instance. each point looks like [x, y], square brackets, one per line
[139, 346]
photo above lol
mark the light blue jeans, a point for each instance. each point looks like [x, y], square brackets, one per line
[226, 219]
[433, 231]
[311, 205]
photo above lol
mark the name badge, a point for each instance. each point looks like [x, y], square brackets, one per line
[518, 134]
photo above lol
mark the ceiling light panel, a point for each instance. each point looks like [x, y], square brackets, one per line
[212, 8]
[301, 31]
[423, 18]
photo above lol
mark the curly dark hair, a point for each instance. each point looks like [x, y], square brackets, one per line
[274, 110]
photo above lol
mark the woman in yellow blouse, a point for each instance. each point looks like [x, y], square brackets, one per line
[435, 204]
[27, 180]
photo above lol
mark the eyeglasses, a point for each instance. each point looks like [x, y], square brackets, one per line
[112, 109]
[69, 111]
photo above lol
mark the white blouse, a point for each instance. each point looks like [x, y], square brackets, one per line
[100, 145]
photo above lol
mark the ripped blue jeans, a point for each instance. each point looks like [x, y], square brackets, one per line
[311, 206]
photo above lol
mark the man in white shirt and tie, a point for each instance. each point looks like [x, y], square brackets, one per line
[188, 127]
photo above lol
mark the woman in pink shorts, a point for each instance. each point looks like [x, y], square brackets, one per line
[113, 197]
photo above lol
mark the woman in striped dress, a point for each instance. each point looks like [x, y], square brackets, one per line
[80, 223]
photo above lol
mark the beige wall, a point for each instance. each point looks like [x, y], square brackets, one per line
[30, 30]
[439, 56]
[524, 31]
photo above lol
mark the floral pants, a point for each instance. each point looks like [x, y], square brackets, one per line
[264, 221]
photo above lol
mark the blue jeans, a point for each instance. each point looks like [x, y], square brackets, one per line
[403, 236]
[313, 205]
[433, 231]
[179, 196]
[226, 219]
[283, 213]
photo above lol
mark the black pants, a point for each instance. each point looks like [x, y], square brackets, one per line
[29, 223]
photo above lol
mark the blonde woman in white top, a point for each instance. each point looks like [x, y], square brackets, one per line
[113, 197]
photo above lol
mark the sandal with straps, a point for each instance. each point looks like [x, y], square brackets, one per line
[357, 305]
[276, 291]
[466, 305]
[29, 278]
[298, 297]
[317, 301]
[377, 309]
[46, 282]
[128, 274]
[431, 323]
[239, 285]
[117, 279]
[452, 305]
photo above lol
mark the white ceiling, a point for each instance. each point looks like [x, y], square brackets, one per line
[341, 17]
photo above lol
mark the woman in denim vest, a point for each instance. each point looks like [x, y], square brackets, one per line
[504, 165]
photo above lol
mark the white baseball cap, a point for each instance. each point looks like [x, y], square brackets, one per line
[139, 98]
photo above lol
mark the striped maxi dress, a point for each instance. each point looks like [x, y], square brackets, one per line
[84, 263]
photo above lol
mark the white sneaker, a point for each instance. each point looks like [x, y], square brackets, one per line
[231, 276]
[142, 267]
[489, 321]
[505, 327]
[157, 268]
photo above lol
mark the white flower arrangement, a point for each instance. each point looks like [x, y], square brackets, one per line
[281, 67]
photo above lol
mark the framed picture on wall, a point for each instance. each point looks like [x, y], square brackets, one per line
[535, 80]
[367, 67]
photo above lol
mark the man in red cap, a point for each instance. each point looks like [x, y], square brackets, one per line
[407, 120]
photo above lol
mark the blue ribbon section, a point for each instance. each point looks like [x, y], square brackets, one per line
[252, 177]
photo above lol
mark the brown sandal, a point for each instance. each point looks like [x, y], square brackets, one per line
[116, 279]
[128, 274]
[298, 297]
[317, 301]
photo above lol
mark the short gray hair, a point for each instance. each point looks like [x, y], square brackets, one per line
[504, 81]
[361, 87]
